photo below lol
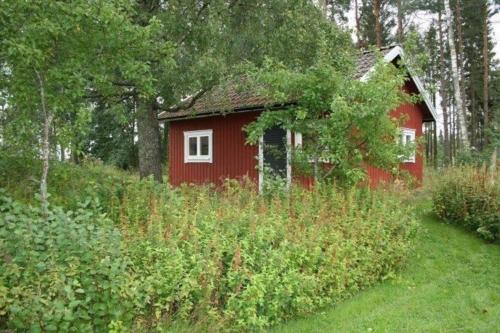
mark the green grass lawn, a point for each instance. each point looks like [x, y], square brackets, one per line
[451, 284]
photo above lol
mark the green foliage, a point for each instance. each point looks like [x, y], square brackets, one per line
[252, 261]
[467, 196]
[111, 137]
[367, 23]
[450, 285]
[72, 184]
[65, 272]
[343, 120]
[229, 259]
[45, 66]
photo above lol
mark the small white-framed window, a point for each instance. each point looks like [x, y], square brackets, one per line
[198, 146]
[407, 137]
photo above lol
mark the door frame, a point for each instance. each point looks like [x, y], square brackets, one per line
[288, 161]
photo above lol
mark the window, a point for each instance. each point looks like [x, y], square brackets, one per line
[407, 137]
[198, 146]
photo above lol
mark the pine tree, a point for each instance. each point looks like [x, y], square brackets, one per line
[376, 22]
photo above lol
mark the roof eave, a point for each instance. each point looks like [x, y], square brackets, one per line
[215, 113]
[397, 51]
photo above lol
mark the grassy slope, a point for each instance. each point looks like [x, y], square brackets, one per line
[452, 284]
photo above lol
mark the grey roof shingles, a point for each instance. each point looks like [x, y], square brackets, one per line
[230, 97]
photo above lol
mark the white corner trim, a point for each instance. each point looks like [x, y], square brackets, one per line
[298, 140]
[288, 158]
[389, 57]
[198, 158]
[261, 163]
[423, 93]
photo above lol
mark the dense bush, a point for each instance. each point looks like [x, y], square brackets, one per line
[62, 272]
[252, 261]
[68, 184]
[228, 257]
[468, 197]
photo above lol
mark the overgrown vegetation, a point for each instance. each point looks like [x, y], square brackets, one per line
[343, 120]
[450, 285]
[470, 197]
[231, 260]
[62, 273]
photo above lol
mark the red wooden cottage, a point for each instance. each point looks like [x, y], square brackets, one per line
[207, 141]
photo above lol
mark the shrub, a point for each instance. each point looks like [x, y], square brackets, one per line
[228, 258]
[250, 261]
[68, 184]
[61, 273]
[466, 196]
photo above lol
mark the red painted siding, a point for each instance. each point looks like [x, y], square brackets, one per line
[414, 118]
[232, 158]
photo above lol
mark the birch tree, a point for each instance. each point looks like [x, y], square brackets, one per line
[44, 60]
[443, 91]
[462, 116]
[52, 54]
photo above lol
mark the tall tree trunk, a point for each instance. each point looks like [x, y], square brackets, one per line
[428, 143]
[434, 145]
[358, 25]
[378, 27]
[486, 73]
[442, 92]
[493, 165]
[486, 108]
[47, 124]
[400, 21]
[462, 116]
[473, 119]
[460, 60]
[149, 140]
[324, 7]
[453, 131]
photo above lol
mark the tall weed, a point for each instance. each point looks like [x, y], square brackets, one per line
[468, 197]
[227, 259]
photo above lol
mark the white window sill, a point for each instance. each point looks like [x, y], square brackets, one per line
[198, 160]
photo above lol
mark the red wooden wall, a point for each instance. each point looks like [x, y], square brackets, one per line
[414, 114]
[414, 121]
[231, 158]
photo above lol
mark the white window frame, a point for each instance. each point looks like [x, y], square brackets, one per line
[198, 158]
[411, 132]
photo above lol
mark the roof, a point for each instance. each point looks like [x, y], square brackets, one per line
[367, 59]
[221, 99]
[231, 97]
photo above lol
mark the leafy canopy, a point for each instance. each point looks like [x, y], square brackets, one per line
[344, 121]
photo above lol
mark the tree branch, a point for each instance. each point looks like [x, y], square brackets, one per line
[186, 104]
[197, 16]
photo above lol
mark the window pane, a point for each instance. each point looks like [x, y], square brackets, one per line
[408, 138]
[192, 146]
[204, 145]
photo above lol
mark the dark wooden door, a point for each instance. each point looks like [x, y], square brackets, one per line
[275, 151]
